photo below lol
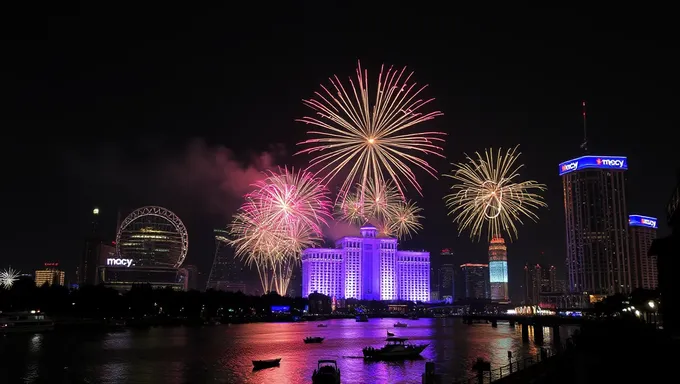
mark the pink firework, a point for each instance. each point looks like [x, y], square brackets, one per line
[371, 139]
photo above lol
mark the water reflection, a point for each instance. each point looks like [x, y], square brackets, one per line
[225, 354]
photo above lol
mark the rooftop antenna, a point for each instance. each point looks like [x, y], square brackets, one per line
[584, 145]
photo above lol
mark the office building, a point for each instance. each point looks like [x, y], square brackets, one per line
[596, 225]
[498, 270]
[96, 249]
[366, 268]
[642, 231]
[474, 282]
[538, 280]
[226, 274]
[50, 275]
[445, 274]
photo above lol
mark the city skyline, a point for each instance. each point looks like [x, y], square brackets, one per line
[140, 124]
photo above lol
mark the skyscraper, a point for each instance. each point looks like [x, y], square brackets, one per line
[538, 279]
[96, 250]
[644, 267]
[475, 282]
[445, 274]
[225, 273]
[596, 222]
[498, 270]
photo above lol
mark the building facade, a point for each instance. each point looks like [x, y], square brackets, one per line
[366, 268]
[596, 224]
[498, 270]
[642, 230]
[538, 280]
[474, 282]
[445, 274]
[225, 274]
[50, 275]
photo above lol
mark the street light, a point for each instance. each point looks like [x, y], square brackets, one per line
[651, 304]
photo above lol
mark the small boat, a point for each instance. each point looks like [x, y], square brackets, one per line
[322, 325]
[395, 349]
[25, 322]
[362, 319]
[313, 340]
[326, 372]
[389, 333]
[261, 364]
[400, 325]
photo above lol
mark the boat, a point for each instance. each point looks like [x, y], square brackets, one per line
[362, 319]
[389, 333]
[396, 348]
[261, 364]
[322, 325]
[326, 372]
[400, 325]
[313, 340]
[25, 322]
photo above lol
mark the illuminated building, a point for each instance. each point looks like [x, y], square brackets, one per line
[644, 266]
[366, 268]
[474, 282]
[225, 274]
[151, 245]
[597, 224]
[445, 274]
[96, 248]
[50, 275]
[498, 270]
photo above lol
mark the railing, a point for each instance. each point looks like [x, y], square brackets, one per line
[508, 369]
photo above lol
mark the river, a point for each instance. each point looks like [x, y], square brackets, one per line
[223, 354]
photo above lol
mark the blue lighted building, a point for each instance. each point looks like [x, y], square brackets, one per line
[366, 268]
[498, 270]
[596, 217]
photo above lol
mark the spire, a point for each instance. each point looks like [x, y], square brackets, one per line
[584, 145]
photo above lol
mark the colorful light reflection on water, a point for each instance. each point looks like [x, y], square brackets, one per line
[224, 353]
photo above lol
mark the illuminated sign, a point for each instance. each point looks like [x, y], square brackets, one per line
[642, 221]
[280, 308]
[124, 262]
[598, 162]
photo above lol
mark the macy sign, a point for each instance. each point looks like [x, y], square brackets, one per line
[651, 223]
[125, 262]
[611, 162]
[570, 166]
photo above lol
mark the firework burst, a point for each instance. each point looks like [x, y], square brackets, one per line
[383, 207]
[487, 194]
[282, 216]
[371, 141]
[8, 277]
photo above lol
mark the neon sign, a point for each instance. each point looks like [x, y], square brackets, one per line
[598, 162]
[124, 262]
[642, 221]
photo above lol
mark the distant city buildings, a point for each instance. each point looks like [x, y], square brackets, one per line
[498, 270]
[597, 225]
[473, 282]
[642, 231]
[225, 274]
[50, 275]
[366, 268]
[539, 280]
[445, 274]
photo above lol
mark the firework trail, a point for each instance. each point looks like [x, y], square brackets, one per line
[371, 139]
[487, 193]
[283, 215]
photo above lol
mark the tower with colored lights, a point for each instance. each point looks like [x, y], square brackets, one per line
[643, 265]
[498, 270]
[596, 225]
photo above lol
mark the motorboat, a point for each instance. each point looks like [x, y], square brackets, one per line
[261, 364]
[396, 348]
[362, 319]
[400, 325]
[322, 325]
[326, 372]
[313, 340]
[390, 333]
[25, 322]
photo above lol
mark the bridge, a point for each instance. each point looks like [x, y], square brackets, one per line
[536, 322]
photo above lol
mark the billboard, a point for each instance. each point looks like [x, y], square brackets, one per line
[642, 221]
[597, 162]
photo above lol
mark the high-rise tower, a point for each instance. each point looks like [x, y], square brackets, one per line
[498, 269]
[643, 265]
[225, 273]
[596, 224]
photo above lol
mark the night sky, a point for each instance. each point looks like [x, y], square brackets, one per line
[107, 109]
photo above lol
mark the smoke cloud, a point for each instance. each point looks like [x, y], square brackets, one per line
[338, 229]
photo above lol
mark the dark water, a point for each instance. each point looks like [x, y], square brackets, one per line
[223, 354]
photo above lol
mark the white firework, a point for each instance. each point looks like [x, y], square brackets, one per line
[8, 277]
